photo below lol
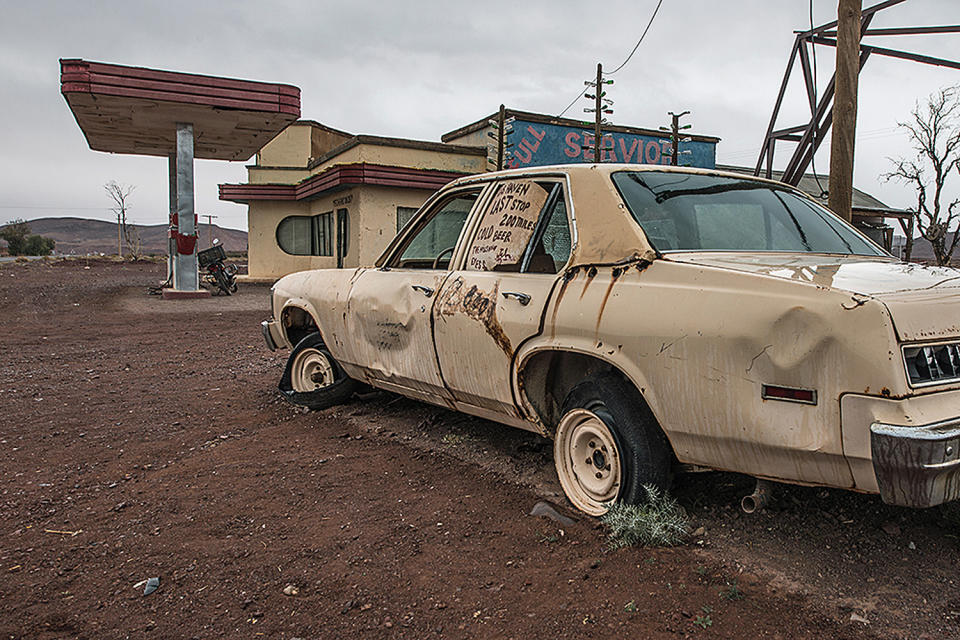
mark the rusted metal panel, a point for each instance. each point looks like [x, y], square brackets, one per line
[386, 328]
[477, 331]
[931, 314]
[699, 342]
[486, 308]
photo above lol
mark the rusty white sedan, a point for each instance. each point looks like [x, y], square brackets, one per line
[647, 319]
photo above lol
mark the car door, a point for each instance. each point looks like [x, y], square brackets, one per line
[388, 310]
[496, 299]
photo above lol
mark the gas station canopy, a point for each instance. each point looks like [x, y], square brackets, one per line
[134, 110]
[180, 116]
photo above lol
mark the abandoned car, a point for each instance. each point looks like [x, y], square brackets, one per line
[646, 319]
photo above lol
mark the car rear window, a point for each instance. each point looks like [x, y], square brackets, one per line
[694, 212]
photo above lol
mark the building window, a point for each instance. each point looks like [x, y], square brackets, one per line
[306, 235]
[323, 224]
[403, 216]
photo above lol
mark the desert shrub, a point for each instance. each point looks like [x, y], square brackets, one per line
[20, 242]
[39, 246]
[15, 233]
[660, 522]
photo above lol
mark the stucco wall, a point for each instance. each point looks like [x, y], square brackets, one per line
[372, 215]
[265, 258]
[405, 157]
[289, 149]
[476, 139]
[379, 217]
[298, 144]
[259, 175]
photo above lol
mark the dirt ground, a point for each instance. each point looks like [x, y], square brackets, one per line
[144, 438]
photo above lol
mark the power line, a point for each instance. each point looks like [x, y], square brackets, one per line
[642, 36]
[573, 102]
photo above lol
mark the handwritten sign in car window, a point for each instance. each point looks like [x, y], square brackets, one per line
[506, 226]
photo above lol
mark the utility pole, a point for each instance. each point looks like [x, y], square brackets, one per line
[843, 137]
[209, 227]
[601, 105]
[501, 120]
[598, 121]
[675, 139]
[502, 127]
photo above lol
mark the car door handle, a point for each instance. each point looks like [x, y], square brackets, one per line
[522, 298]
[427, 291]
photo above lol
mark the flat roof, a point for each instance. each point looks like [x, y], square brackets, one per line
[135, 110]
[403, 143]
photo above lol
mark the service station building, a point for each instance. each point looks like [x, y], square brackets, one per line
[318, 197]
[322, 198]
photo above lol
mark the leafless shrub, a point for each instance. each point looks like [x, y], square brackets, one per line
[934, 132]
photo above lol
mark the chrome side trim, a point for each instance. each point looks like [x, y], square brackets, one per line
[940, 466]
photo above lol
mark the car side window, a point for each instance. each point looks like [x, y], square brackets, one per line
[552, 250]
[523, 228]
[435, 236]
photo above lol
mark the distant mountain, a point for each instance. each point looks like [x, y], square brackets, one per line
[82, 236]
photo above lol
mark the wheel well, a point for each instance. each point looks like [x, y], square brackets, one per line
[548, 376]
[297, 324]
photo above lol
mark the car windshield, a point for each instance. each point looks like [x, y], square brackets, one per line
[694, 212]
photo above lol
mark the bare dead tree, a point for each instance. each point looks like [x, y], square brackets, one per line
[934, 132]
[126, 233]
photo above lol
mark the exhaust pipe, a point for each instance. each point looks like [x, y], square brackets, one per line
[758, 499]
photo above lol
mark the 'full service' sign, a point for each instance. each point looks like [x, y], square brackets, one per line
[537, 144]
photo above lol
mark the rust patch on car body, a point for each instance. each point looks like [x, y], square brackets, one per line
[477, 305]
[591, 274]
[565, 280]
[606, 297]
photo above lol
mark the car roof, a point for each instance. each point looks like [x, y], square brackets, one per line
[605, 231]
[607, 168]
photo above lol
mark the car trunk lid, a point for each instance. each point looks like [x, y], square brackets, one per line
[924, 301]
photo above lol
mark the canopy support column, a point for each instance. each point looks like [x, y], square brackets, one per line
[185, 273]
[171, 215]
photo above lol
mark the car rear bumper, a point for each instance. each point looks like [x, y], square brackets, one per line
[917, 466]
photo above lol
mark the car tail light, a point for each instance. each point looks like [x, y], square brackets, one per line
[932, 364]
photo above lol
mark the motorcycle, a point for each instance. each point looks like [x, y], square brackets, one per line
[216, 274]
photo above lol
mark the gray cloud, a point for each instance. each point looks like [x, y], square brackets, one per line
[418, 69]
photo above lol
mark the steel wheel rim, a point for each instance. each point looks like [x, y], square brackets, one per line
[311, 370]
[588, 461]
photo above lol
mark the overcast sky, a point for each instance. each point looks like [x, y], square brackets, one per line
[417, 69]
